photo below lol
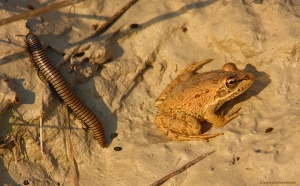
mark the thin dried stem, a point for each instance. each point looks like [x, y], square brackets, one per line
[186, 166]
[47, 160]
[18, 151]
[69, 143]
[39, 11]
[114, 17]
[41, 124]
[49, 166]
[104, 26]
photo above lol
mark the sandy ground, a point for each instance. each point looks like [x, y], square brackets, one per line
[260, 36]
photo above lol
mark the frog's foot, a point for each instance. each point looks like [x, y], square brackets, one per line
[195, 66]
[184, 137]
[182, 127]
[234, 113]
[220, 120]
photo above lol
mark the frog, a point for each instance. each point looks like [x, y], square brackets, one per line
[192, 98]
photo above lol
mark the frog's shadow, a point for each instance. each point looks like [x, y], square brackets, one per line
[261, 81]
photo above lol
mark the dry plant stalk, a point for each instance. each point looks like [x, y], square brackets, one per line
[114, 17]
[41, 123]
[186, 166]
[48, 164]
[51, 172]
[101, 28]
[69, 143]
[39, 11]
[14, 137]
[50, 168]
[18, 151]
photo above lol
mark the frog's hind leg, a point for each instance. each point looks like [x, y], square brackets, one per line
[182, 127]
[194, 67]
[183, 76]
[183, 137]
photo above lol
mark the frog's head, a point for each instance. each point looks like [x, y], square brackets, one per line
[234, 83]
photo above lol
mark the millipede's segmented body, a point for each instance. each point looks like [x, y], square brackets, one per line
[64, 91]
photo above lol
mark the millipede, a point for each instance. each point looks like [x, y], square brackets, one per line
[51, 74]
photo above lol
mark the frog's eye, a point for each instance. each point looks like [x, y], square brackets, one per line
[230, 83]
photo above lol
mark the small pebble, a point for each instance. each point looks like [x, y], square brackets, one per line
[118, 148]
[94, 27]
[114, 135]
[184, 29]
[16, 100]
[40, 18]
[269, 130]
[258, 1]
[30, 7]
[26, 182]
[134, 25]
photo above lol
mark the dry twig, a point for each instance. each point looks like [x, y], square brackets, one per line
[47, 160]
[14, 137]
[50, 168]
[186, 166]
[41, 123]
[69, 143]
[39, 11]
[114, 17]
[105, 25]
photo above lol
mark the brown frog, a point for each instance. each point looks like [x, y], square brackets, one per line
[192, 98]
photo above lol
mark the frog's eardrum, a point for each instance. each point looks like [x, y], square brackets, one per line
[62, 88]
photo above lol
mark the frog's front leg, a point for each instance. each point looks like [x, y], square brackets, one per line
[182, 127]
[219, 120]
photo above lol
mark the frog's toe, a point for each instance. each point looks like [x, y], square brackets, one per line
[233, 114]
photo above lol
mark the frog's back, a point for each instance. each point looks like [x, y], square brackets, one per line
[193, 95]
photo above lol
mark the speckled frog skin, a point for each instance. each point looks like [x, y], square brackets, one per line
[192, 98]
